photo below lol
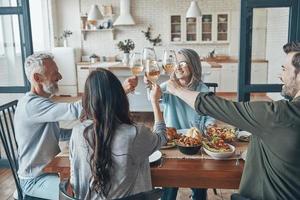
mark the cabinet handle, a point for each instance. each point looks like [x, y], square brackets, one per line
[84, 67]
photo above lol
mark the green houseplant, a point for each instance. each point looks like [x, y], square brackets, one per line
[126, 46]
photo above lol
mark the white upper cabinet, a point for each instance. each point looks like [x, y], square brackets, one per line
[176, 28]
[215, 28]
[210, 28]
[184, 30]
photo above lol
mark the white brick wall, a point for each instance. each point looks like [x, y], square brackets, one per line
[277, 36]
[154, 12]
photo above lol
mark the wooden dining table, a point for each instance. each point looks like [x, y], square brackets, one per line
[198, 173]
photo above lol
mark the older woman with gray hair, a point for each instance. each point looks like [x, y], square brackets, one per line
[180, 115]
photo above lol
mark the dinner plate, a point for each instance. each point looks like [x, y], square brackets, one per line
[169, 145]
[220, 155]
[155, 156]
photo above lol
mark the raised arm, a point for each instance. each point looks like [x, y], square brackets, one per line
[250, 116]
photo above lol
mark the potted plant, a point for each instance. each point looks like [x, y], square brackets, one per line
[126, 46]
[64, 37]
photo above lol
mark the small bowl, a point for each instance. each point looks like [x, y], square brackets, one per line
[191, 150]
[220, 155]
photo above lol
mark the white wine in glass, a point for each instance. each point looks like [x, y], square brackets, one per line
[169, 61]
[152, 70]
[151, 66]
[136, 66]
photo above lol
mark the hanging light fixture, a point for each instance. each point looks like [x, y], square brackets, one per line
[125, 17]
[94, 15]
[194, 10]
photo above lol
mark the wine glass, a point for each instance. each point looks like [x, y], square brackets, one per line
[169, 61]
[136, 66]
[150, 64]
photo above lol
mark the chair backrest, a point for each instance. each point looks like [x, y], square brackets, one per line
[149, 195]
[7, 134]
[212, 85]
[63, 194]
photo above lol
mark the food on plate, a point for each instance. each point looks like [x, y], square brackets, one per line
[216, 145]
[226, 134]
[194, 133]
[172, 134]
[193, 137]
[188, 141]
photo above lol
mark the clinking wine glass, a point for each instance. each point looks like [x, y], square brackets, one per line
[169, 61]
[136, 66]
[150, 64]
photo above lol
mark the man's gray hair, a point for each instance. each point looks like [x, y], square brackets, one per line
[194, 64]
[34, 64]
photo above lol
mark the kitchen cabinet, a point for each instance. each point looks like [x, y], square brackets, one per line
[184, 30]
[229, 77]
[212, 76]
[215, 28]
[82, 74]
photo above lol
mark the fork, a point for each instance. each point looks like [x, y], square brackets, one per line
[238, 156]
[161, 161]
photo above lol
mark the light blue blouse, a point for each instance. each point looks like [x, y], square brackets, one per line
[180, 115]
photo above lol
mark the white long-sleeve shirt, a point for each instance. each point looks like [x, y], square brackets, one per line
[37, 131]
[130, 147]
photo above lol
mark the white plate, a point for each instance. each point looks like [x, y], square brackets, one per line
[220, 155]
[155, 156]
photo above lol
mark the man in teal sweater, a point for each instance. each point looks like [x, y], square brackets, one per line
[272, 169]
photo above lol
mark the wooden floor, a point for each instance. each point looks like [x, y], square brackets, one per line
[7, 185]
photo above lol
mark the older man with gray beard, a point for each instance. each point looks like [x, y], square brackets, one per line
[36, 125]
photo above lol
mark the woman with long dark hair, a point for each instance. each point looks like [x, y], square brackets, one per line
[108, 152]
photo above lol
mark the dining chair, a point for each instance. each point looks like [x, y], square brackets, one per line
[7, 135]
[149, 195]
[212, 85]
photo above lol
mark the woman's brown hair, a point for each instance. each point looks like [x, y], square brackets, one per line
[106, 104]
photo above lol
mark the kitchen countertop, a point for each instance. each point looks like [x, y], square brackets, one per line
[120, 66]
[231, 60]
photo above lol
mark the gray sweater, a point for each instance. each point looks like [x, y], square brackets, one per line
[130, 172]
[37, 131]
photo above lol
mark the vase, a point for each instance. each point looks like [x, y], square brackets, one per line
[126, 59]
[65, 42]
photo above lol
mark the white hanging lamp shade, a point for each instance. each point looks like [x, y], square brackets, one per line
[194, 10]
[125, 17]
[94, 14]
